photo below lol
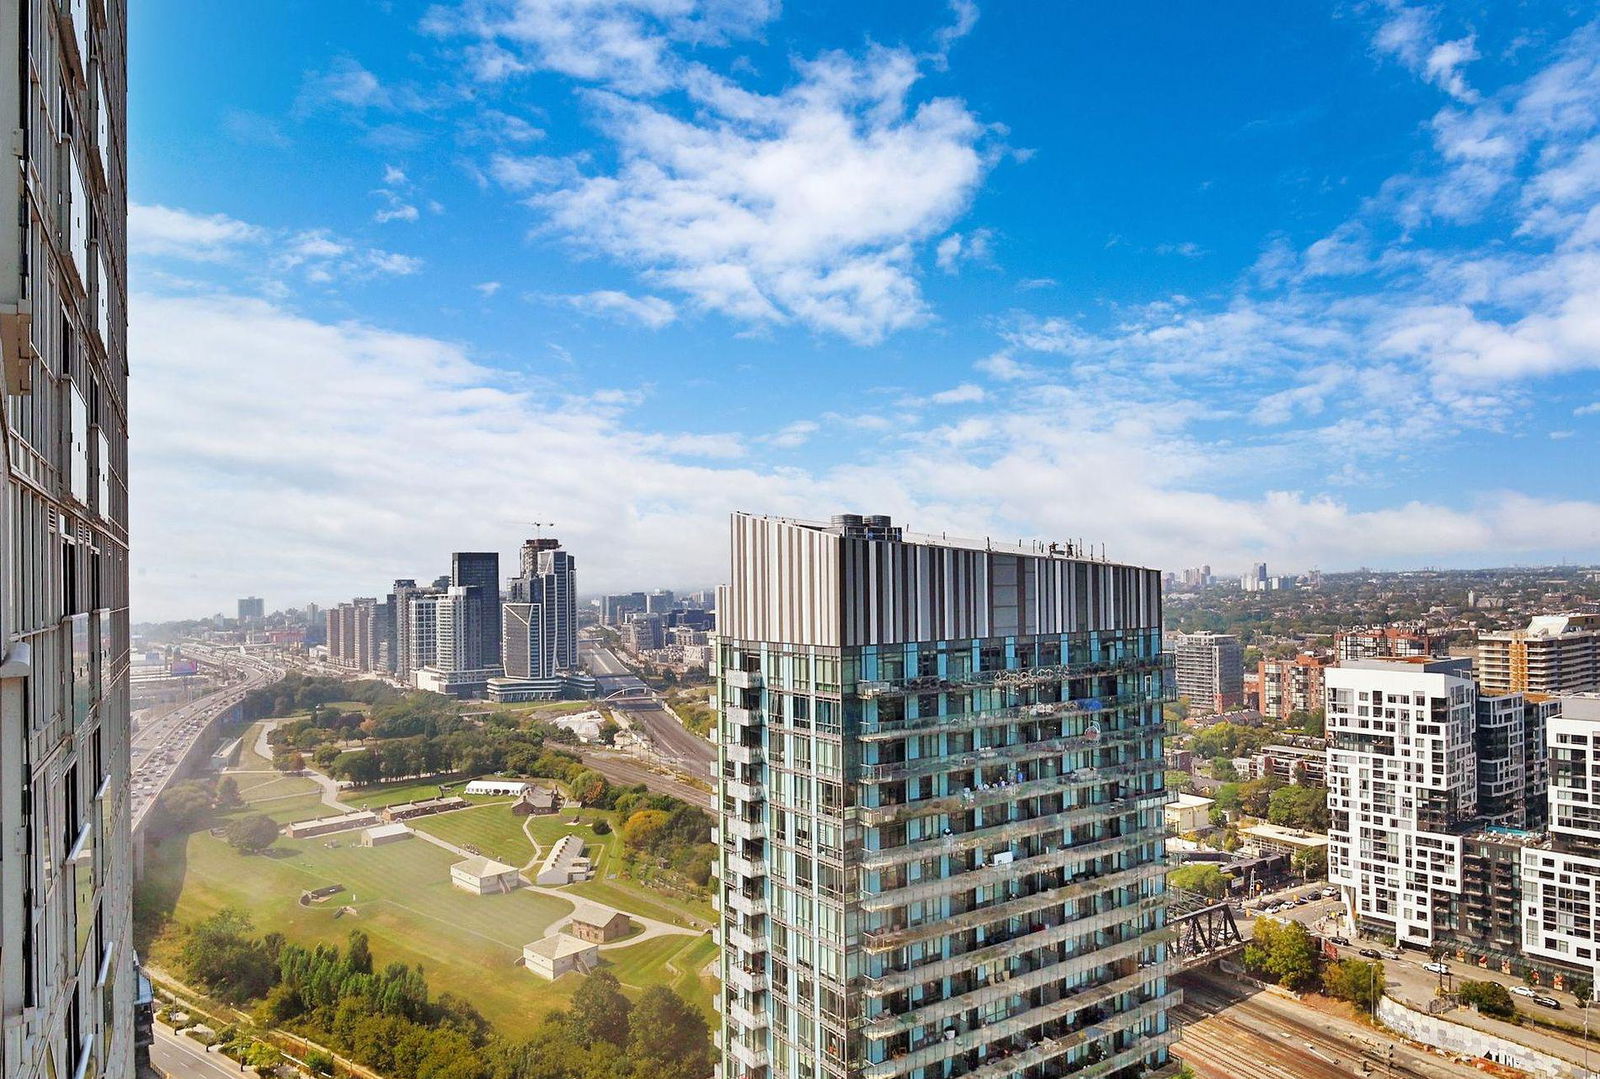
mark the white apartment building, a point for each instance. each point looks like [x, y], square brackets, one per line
[1402, 778]
[1561, 879]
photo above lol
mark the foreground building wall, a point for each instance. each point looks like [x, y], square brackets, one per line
[67, 982]
[941, 808]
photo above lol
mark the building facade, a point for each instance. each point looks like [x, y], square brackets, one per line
[1561, 878]
[545, 619]
[1402, 788]
[1210, 669]
[252, 609]
[1555, 654]
[940, 784]
[479, 573]
[68, 984]
[1287, 686]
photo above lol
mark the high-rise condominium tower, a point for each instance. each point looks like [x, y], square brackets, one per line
[479, 573]
[1210, 669]
[541, 617]
[941, 808]
[67, 977]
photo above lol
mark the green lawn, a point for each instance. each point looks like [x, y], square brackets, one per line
[404, 901]
[609, 886]
[674, 961]
[492, 829]
[275, 788]
[409, 790]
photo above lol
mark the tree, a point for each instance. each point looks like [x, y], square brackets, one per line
[1227, 796]
[1222, 768]
[1255, 796]
[1299, 807]
[219, 956]
[1201, 877]
[667, 1037]
[1179, 781]
[1490, 998]
[252, 834]
[324, 755]
[1286, 951]
[184, 808]
[1355, 980]
[588, 787]
[1311, 863]
[599, 1010]
[1582, 990]
[641, 830]
[359, 958]
[228, 794]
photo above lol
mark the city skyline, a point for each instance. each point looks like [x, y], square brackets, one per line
[1328, 313]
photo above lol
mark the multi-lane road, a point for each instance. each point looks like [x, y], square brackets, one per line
[674, 744]
[160, 744]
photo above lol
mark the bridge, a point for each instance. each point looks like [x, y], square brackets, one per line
[1204, 928]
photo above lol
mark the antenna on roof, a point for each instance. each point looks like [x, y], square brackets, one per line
[540, 526]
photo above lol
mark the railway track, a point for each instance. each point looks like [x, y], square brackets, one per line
[1228, 1035]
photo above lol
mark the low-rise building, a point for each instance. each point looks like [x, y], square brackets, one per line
[1270, 839]
[342, 822]
[537, 802]
[380, 834]
[425, 807]
[560, 954]
[565, 863]
[514, 788]
[597, 924]
[484, 876]
[1188, 813]
[1302, 765]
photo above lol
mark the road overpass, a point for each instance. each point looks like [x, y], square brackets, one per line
[675, 745]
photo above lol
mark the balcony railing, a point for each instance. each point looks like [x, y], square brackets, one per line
[884, 939]
[991, 1033]
[896, 980]
[751, 980]
[1010, 678]
[960, 842]
[962, 880]
[1017, 1063]
[746, 904]
[740, 828]
[991, 755]
[742, 754]
[1011, 792]
[745, 792]
[1020, 713]
[952, 1007]
[741, 679]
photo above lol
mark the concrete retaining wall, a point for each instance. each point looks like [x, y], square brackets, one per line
[1454, 1038]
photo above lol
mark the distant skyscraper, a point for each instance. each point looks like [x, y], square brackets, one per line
[400, 618]
[480, 571]
[941, 809]
[67, 975]
[252, 609]
[542, 613]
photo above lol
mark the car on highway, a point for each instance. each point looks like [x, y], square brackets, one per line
[1548, 1002]
[1436, 968]
[1523, 991]
[1369, 953]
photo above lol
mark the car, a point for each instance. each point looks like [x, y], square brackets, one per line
[1522, 991]
[1436, 968]
[1343, 942]
[1329, 892]
[1303, 900]
[1391, 955]
[1370, 953]
[1548, 1002]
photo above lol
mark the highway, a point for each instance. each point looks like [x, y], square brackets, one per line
[1234, 1032]
[161, 745]
[675, 745]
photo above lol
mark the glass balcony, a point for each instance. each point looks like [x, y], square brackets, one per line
[990, 755]
[893, 728]
[742, 679]
[954, 803]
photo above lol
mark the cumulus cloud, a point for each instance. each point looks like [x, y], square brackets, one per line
[650, 311]
[954, 249]
[320, 256]
[1409, 34]
[628, 45]
[297, 453]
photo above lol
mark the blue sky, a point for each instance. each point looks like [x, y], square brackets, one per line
[1315, 286]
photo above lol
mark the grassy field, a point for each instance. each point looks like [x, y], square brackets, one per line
[492, 829]
[405, 903]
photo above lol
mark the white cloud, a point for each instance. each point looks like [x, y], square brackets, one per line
[345, 84]
[1587, 410]
[626, 44]
[162, 231]
[649, 311]
[488, 288]
[803, 206]
[400, 211]
[793, 434]
[955, 249]
[1186, 249]
[1409, 34]
[394, 176]
[1559, 436]
[1033, 284]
